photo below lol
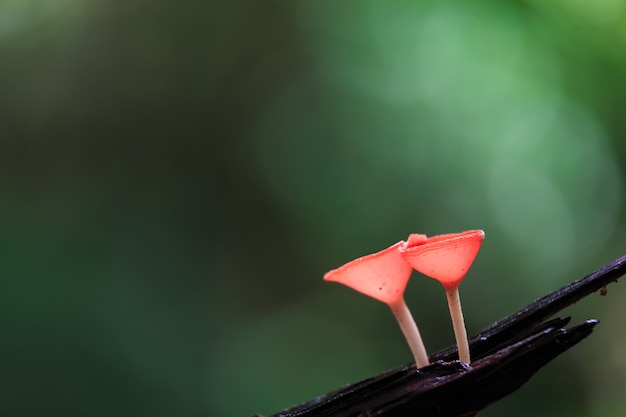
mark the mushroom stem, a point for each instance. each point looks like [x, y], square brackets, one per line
[410, 331]
[454, 303]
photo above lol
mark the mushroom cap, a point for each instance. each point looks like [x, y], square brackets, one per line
[446, 258]
[382, 275]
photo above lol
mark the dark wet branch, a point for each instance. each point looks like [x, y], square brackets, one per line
[505, 356]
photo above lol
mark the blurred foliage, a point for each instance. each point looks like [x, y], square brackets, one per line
[176, 177]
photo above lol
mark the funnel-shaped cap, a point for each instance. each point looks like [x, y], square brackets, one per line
[382, 275]
[446, 258]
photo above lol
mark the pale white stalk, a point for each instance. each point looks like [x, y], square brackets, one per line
[410, 331]
[454, 303]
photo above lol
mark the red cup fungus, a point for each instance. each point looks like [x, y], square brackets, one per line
[446, 258]
[384, 276]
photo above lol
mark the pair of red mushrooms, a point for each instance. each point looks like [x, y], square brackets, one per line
[385, 274]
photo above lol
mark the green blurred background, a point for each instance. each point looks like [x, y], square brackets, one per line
[176, 177]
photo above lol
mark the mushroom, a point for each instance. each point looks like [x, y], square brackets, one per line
[384, 276]
[447, 258]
